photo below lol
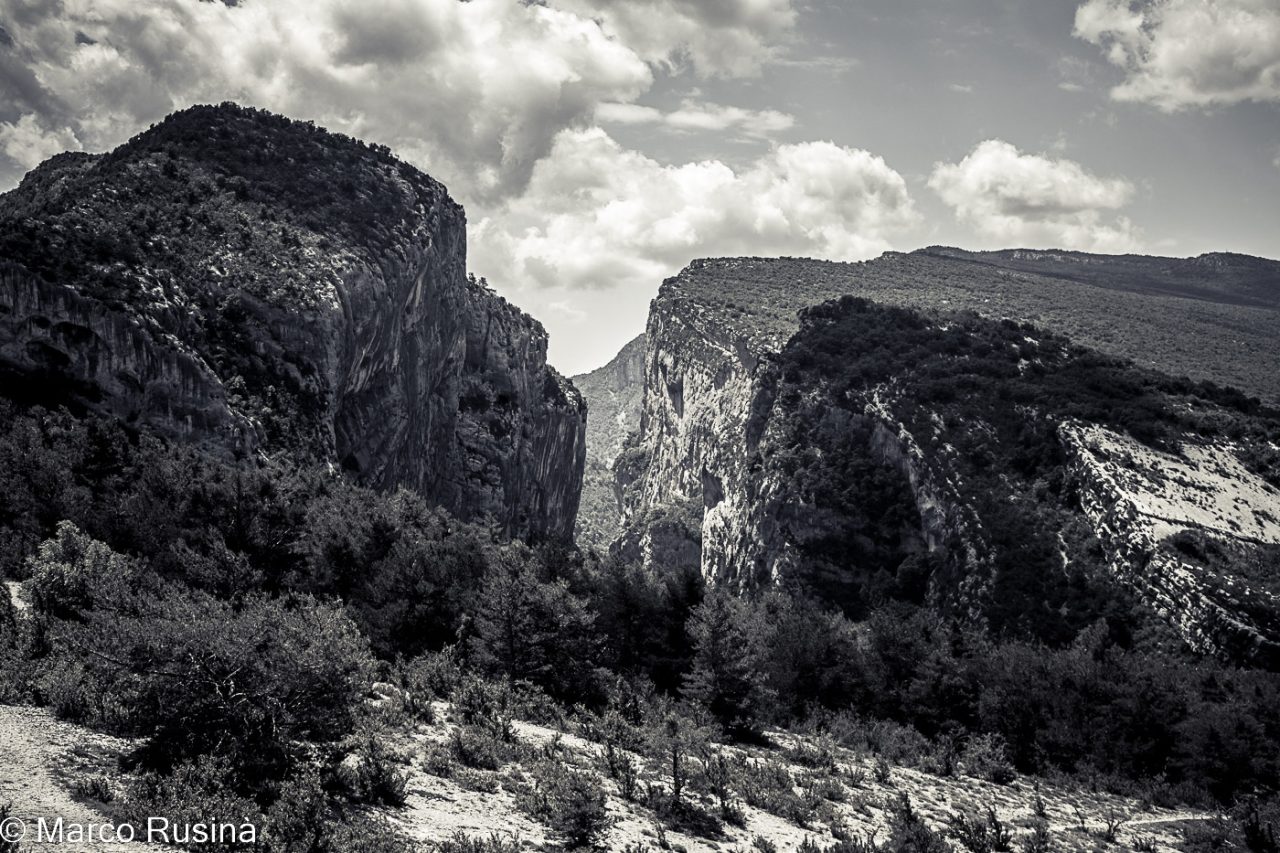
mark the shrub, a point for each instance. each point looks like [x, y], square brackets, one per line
[195, 792]
[486, 782]
[489, 705]
[97, 788]
[617, 737]
[71, 573]
[908, 833]
[817, 754]
[986, 757]
[826, 788]
[368, 835]
[480, 749]
[370, 774]
[247, 683]
[572, 803]
[460, 842]
[302, 818]
[1038, 840]
[769, 786]
[434, 675]
[894, 741]
[19, 641]
[1259, 821]
[986, 834]
[718, 774]
[1111, 823]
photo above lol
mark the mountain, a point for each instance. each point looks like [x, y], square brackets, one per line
[1025, 450]
[612, 394]
[256, 285]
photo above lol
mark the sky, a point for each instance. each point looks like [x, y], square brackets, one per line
[600, 145]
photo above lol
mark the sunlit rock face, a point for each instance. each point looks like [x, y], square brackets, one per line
[613, 394]
[1183, 528]
[255, 285]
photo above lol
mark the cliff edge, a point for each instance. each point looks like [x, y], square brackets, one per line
[257, 285]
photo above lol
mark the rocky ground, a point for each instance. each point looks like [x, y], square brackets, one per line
[42, 763]
[858, 797]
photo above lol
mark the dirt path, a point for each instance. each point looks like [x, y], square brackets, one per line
[36, 751]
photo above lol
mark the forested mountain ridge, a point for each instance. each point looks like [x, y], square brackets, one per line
[254, 284]
[944, 453]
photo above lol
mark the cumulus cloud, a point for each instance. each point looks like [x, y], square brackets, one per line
[29, 143]
[1036, 201]
[696, 115]
[1188, 53]
[718, 38]
[474, 92]
[597, 215]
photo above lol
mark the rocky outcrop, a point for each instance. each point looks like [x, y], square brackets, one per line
[259, 286]
[710, 421]
[708, 452]
[692, 448]
[1140, 501]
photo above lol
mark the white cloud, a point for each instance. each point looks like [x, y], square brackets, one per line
[28, 143]
[718, 38]
[1036, 201]
[694, 115]
[597, 215]
[473, 92]
[1188, 53]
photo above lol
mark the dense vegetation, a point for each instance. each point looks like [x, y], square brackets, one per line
[1107, 304]
[160, 578]
[205, 181]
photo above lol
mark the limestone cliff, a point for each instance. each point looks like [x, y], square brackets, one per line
[612, 394]
[258, 285]
[869, 451]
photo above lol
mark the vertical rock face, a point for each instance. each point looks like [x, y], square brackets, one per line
[612, 394]
[252, 284]
[682, 478]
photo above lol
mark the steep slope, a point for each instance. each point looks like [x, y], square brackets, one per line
[258, 285]
[870, 452]
[612, 394]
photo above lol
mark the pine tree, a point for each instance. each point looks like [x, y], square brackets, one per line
[725, 677]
